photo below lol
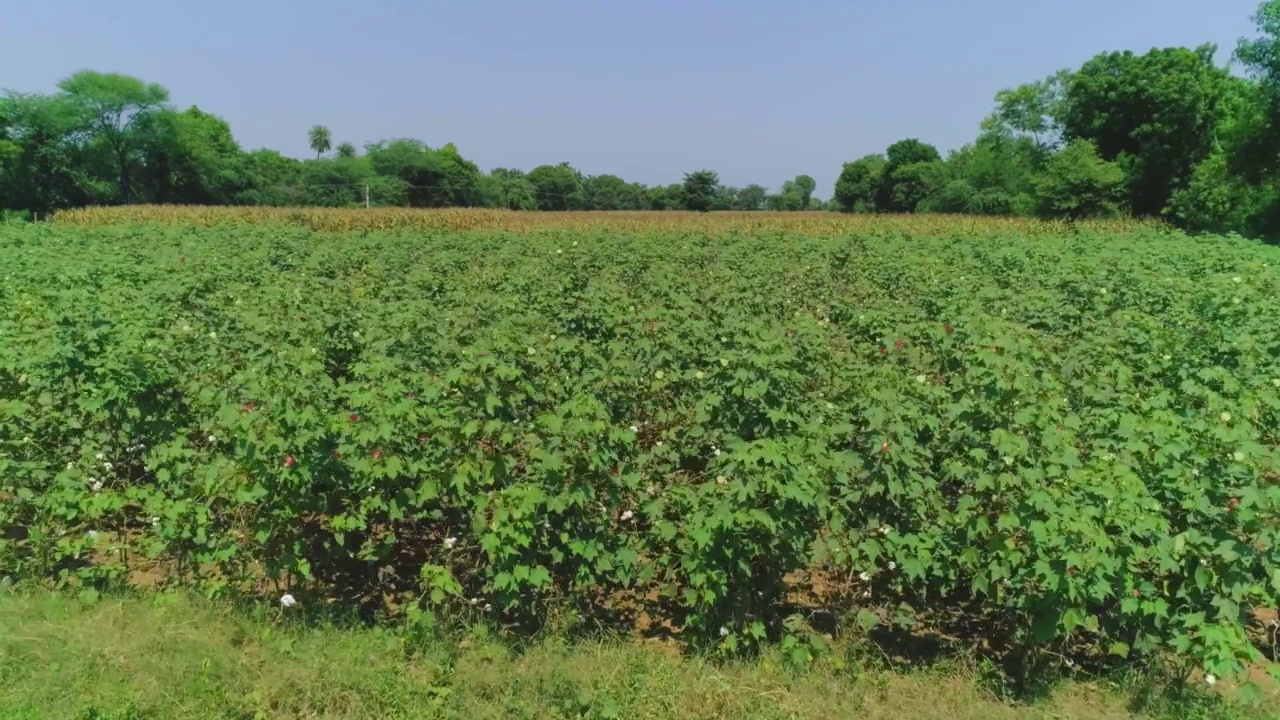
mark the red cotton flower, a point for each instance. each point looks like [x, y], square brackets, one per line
[1137, 593]
[410, 396]
[613, 470]
[354, 418]
[248, 407]
[899, 344]
[883, 350]
[1233, 504]
[377, 454]
[884, 447]
[949, 329]
[337, 455]
[289, 461]
[422, 438]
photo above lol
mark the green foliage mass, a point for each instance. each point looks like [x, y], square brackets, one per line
[1073, 442]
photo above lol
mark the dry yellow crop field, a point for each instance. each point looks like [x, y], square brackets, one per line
[818, 224]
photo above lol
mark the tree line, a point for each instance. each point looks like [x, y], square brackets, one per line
[1167, 134]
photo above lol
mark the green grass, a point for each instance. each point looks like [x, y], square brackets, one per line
[179, 658]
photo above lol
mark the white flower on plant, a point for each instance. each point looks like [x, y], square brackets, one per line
[1210, 680]
[559, 251]
[715, 451]
[722, 480]
[921, 379]
[92, 534]
[1103, 291]
[213, 336]
[724, 631]
[635, 429]
[724, 339]
[488, 607]
[473, 601]
[658, 444]
[1237, 279]
[1238, 456]
[699, 375]
[213, 438]
[71, 466]
[626, 516]
[1226, 417]
[864, 576]
[658, 374]
[288, 601]
[1237, 301]
[99, 456]
[186, 328]
[450, 542]
[866, 594]
[893, 565]
[107, 465]
[1167, 358]
[532, 351]
[831, 406]
[97, 486]
[884, 529]
[155, 521]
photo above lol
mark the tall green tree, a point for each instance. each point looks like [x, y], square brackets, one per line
[509, 188]
[750, 197]
[804, 186]
[188, 157]
[1155, 114]
[700, 188]
[557, 187]
[345, 150]
[902, 184]
[859, 183]
[1077, 183]
[320, 139]
[111, 106]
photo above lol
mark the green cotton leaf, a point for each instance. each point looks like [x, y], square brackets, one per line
[1119, 649]
[866, 620]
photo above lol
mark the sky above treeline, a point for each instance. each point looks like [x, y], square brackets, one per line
[644, 89]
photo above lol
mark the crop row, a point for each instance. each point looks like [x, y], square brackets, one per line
[1074, 437]
[813, 224]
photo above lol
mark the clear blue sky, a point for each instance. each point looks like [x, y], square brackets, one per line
[758, 91]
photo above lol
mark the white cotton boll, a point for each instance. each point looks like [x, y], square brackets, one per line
[450, 542]
[724, 631]
[1210, 680]
[97, 486]
[99, 456]
[893, 565]
[288, 600]
[213, 439]
[626, 516]
[864, 576]
[635, 429]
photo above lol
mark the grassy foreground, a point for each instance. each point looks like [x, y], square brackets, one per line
[179, 658]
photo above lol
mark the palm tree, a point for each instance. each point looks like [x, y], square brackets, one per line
[321, 140]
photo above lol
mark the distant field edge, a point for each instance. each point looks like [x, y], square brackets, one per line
[460, 219]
